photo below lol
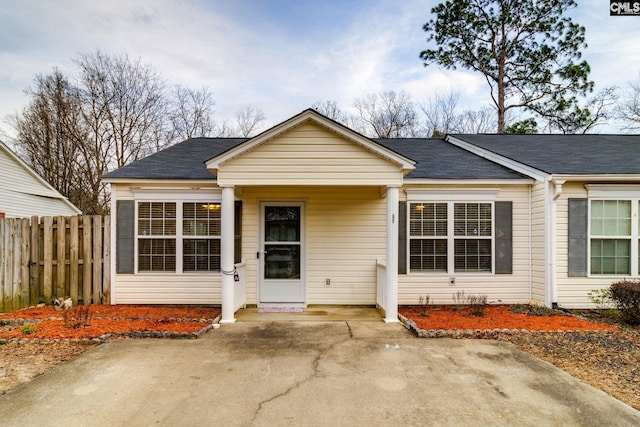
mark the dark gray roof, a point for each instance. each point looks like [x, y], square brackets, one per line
[185, 160]
[566, 154]
[437, 159]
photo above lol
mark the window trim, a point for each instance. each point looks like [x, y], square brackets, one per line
[616, 193]
[451, 237]
[162, 196]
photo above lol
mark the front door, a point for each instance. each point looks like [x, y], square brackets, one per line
[282, 253]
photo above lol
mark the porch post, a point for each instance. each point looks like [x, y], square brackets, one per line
[391, 291]
[227, 253]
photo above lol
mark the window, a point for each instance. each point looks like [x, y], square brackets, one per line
[451, 237]
[614, 237]
[178, 236]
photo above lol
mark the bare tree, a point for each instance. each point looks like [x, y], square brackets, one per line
[191, 113]
[331, 110]
[629, 109]
[48, 129]
[248, 120]
[387, 115]
[132, 100]
[440, 113]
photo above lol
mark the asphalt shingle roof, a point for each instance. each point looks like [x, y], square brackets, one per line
[437, 159]
[566, 154]
[185, 160]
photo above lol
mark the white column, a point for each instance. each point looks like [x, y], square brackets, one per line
[391, 291]
[226, 253]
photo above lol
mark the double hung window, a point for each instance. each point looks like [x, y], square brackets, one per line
[178, 236]
[614, 242]
[451, 237]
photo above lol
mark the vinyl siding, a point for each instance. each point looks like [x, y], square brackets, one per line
[572, 291]
[170, 288]
[504, 288]
[309, 155]
[24, 195]
[538, 241]
[345, 235]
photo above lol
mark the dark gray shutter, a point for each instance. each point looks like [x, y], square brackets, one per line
[504, 237]
[125, 217]
[578, 237]
[237, 234]
[402, 238]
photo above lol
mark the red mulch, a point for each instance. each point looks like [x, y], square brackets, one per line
[496, 317]
[47, 323]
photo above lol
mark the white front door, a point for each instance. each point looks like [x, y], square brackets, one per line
[282, 253]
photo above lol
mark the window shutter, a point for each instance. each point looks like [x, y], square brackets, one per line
[237, 234]
[504, 237]
[125, 217]
[402, 238]
[578, 238]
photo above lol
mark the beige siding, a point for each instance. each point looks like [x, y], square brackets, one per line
[345, 235]
[169, 289]
[538, 241]
[309, 155]
[506, 288]
[24, 195]
[572, 291]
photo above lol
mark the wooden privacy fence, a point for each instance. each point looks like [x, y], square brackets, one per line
[51, 257]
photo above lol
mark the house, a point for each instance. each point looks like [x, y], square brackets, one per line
[23, 193]
[312, 212]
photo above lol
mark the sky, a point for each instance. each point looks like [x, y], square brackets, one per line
[280, 56]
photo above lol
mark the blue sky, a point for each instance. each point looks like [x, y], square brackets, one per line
[278, 55]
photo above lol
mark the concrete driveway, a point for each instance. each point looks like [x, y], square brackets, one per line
[345, 373]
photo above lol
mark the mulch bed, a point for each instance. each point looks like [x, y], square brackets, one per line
[499, 318]
[102, 322]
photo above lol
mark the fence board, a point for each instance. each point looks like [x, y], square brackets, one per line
[73, 259]
[97, 259]
[34, 266]
[60, 258]
[46, 258]
[86, 260]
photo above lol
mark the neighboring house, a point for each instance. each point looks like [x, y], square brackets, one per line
[23, 193]
[311, 212]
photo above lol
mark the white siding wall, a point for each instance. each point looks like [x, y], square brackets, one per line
[508, 288]
[344, 237]
[309, 155]
[24, 195]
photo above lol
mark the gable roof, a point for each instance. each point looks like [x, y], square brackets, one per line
[437, 159]
[562, 154]
[20, 182]
[312, 116]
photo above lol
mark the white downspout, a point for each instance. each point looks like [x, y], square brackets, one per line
[552, 297]
[530, 244]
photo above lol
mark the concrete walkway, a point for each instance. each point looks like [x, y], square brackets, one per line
[342, 373]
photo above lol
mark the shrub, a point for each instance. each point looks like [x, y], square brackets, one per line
[28, 329]
[77, 317]
[532, 310]
[626, 295]
[601, 298]
[425, 302]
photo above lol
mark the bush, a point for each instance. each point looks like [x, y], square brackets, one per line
[626, 295]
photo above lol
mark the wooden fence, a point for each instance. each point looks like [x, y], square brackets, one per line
[51, 257]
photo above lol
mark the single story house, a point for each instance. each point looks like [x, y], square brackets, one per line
[312, 212]
[24, 193]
